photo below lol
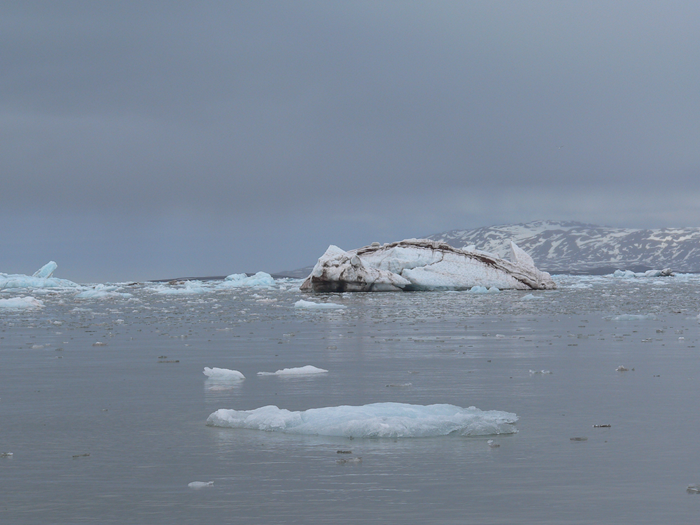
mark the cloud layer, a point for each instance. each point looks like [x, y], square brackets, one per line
[142, 140]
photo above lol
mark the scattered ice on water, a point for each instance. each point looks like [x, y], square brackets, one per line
[101, 291]
[349, 461]
[541, 372]
[693, 489]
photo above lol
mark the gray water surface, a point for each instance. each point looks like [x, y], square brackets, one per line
[137, 403]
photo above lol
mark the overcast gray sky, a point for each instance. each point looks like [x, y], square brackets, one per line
[148, 139]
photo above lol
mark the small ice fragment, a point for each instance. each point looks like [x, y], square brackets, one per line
[693, 489]
[99, 343]
[350, 461]
[318, 306]
[303, 370]
[606, 425]
[621, 369]
[223, 374]
[344, 452]
[399, 385]
[200, 484]
[6, 454]
[81, 455]
[541, 372]
[491, 443]
[579, 439]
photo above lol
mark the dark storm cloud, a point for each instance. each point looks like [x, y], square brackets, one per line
[345, 122]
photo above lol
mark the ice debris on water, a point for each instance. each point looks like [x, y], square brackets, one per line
[693, 489]
[375, 420]
[622, 369]
[223, 374]
[491, 443]
[102, 291]
[200, 484]
[318, 306]
[541, 372]
[349, 461]
[6, 454]
[302, 370]
[578, 439]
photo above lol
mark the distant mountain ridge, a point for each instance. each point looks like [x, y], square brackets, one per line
[573, 247]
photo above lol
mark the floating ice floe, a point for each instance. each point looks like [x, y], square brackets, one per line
[540, 372]
[309, 305]
[223, 374]
[634, 317]
[241, 280]
[21, 303]
[42, 278]
[377, 420]
[300, 371]
[200, 484]
[421, 264]
[628, 274]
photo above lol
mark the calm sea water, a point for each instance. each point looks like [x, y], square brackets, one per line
[115, 432]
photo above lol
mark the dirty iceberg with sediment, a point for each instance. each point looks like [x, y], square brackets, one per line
[421, 264]
[376, 420]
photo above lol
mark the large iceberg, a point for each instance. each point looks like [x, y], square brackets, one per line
[421, 264]
[377, 420]
[42, 278]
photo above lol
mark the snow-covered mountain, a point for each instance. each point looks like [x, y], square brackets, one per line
[586, 248]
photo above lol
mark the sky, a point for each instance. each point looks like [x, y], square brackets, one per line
[157, 139]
